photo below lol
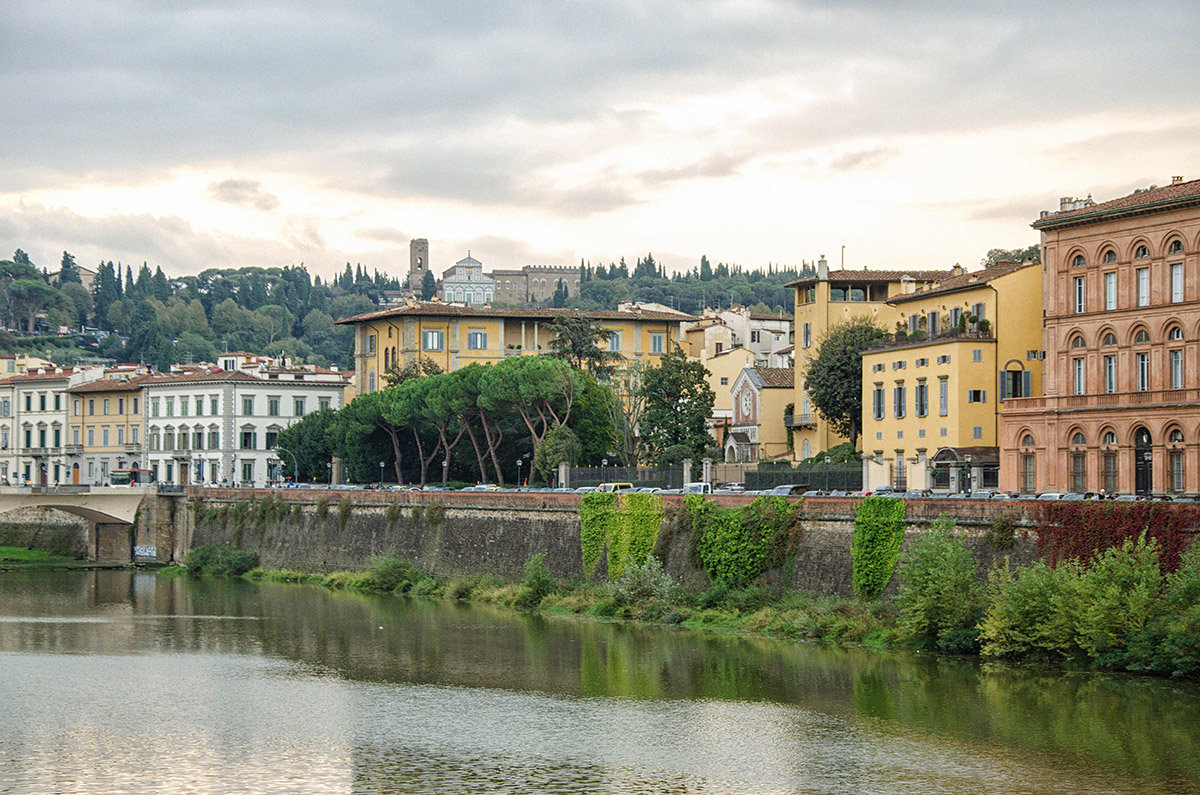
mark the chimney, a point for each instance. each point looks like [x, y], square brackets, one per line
[822, 269]
[1065, 203]
[957, 270]
[1176, 180]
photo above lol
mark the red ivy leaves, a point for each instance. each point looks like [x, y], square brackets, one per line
[1085, 529]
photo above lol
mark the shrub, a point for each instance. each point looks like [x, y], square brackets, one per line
[220, 560]
[875, 547]
[435, 513]
[322, 507]
[939, 601]
[737, 546]
[1003, 531]
[537, 584]
[344, 510]
[644, 582]
[1033, 612]
[395, 574]
[1123, 586]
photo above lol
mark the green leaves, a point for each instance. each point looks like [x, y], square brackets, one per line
[736, 545]
[875, 548]
[833, 377]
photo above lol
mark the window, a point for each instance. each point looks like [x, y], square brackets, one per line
[154, 407]
[614, 343]
[977, 396]
[1078, 472]
[1176, 360]
[91, 407]
[104, 436]
[1176, 247]
[878, 368]
[1078, 439]
[808, 335]
[298, 406]
[74, 407]
[183, 406]
[74, 436]
[877, 402]
[1110, 437]
[1080, 295]
[933, 323]
[29, 437]
[1110, 374]
[170, 407]
[944, 359]
[955, 316]
[476, 340]
[658, 343]
[921, 399]
[1109, 256]
[1110, 472]
[1175, 333]
[1078, 376]
[214, 405]
[371, 381]
[1143, 287]
[272, 406]
[29, 401]
[1077, 342]
[754, 337]
[1142, 336]
[199, 407]
[91, 437]
[42, 401]
[214, 439]
[248, 405]
[370, 343]
[272, 439]
[1176, 436]
[1175, 462]
[900, 400]
[1176, 282]
[432, 340]
[724, 381]
[248, 471]
[1109, 339]
[977, 355]
[922, 362]
[198, 440]
[979, 310]
[1079, 261]
[249, 440]
[1015, 384]
[323, 403]
[120, 405]
[943, 396]
[898, 365]
[1142, 252]
[1143, 371]
[1110, 291]
[977, 432]
[133, 435]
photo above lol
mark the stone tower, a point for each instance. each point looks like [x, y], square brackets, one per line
[418, 263]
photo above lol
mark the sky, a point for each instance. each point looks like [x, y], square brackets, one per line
[192, 135]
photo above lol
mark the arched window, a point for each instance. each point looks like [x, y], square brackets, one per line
[1110, 437]
[1077, 342]
[1109, 339]
[1141, 252]
[1109, 256]
[1176, 247]
[1175, 333]
[1175, 436]
[1141, 336]
[1078, 439]
[1027, 441]
[1028, 465]
[1079, 261]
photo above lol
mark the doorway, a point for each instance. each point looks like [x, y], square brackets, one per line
[1143, 460]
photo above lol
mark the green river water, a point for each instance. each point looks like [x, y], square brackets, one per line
[116, 681]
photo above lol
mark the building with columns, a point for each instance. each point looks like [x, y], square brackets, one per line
[1121, 339]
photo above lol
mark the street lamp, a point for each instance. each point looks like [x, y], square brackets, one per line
[828, 461]
[329, 469]
[967, 458]
[519, 462]
[445, 469]
[381, 474]
[295, 463]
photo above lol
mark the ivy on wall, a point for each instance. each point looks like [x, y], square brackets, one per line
[1085, 530]
[736, 545]
[626, 524]
[875, 547]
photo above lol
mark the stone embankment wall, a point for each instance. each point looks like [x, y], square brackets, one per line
[44, 528]
[469, 533]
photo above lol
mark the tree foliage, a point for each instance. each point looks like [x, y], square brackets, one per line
[679, 402]
[833, 375]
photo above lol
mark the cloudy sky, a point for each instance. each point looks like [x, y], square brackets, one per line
[194, 134]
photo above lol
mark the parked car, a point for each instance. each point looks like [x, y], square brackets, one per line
[789, 490]
[916, 494]
[610, 487]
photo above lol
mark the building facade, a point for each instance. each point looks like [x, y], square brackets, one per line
[466, 283]
[1121, 339]
[932, 397]
[826, 299]
[105, 425]
[36, 453]
[760, 398]
[453, 336]
[534, 284]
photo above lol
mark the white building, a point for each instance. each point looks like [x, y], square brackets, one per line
[33, 415]
[222, 426]
[466, 283]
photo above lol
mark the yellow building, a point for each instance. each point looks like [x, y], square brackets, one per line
[933, 395]
[455, 335]
[21, 363]
[760, 398]
[104, 427]
[826, 299]
[723, 370]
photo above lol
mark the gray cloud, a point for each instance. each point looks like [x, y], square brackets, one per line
[867, 159]
[246, 192]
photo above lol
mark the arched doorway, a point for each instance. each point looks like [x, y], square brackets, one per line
[1143, 459]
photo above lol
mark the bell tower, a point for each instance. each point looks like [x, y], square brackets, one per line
[418, 263]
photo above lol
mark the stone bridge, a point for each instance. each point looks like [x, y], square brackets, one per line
[123, 524]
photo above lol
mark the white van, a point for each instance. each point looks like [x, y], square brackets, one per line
[699, 487]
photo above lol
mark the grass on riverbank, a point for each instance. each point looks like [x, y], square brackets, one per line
[23, 557]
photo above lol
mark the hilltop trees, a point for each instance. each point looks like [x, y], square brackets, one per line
[833, 375]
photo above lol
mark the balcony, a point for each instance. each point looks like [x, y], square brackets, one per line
[800, 420]
[133, 449]
[918, 339]
[73, 449]
[751, 432]
[1105, 401]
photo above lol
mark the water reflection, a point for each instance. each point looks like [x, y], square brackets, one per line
[284, 687]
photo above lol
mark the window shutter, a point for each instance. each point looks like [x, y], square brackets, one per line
[1003, 382]
[1026, 383]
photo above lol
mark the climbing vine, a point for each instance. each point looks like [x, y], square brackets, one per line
[1085, 530]
[737, 545]
[875, 548]
[627, 525]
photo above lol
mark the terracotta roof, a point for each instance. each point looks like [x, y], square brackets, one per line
[110, 385]
[1178, 193]
[215, 375]
[436, 309]
[966, 281]
[874, 277]
[763, 316]
[777, 377]
[783, 351]
[33, 377]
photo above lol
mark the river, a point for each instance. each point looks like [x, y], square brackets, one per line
[117, 681]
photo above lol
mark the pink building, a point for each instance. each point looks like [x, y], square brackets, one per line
[1120, 410]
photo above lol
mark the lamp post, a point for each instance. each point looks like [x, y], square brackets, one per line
[603, 468]
[329, 470]
[295, 463]
[967, 458]
[828, 461]
[519, 462]
[381, 474]
[445, 469]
